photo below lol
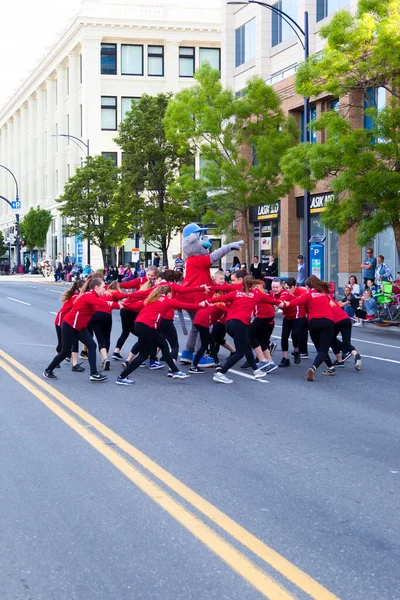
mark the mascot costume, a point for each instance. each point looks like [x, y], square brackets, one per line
[196, 247]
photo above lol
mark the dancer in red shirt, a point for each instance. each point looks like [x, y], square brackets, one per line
[68, 298]
[75, 327]
[203, 320]
[295, 323]
[260, 333]
[158, 304]
[238, 320]
[320, 322]
[343, 325]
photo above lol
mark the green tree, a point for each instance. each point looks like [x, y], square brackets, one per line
[34, 227]
[3, 245]
[362, 54]
[240, 142]
[93, 207]
[149, 168]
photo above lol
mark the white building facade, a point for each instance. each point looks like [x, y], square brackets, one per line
[113, 51]
[257, 41]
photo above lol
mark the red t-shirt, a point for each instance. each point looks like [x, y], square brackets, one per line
[64, 310]
[338, 313]
[294, 312]
[316, 304]
[134, 284]
[209, 315]
[83, 309]
[243, 305]
[151, 314]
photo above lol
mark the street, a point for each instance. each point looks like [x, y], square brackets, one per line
[191, 490]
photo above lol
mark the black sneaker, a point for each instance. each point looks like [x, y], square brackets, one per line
[303, 355]
[218, 368]
[245, 365]
[345, 356]
[272, 347]
[98, 377]
[338, 364]
[78, 369]
[84, 354]
[358, 363]
[330, 371]
[196, 370]
[285, 362]
[117, 356]
[105, 365]
[297, 359]
[49, 374]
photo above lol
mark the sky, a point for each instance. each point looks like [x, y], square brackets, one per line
[27, 29]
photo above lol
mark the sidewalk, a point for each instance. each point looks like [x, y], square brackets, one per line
[31, 279]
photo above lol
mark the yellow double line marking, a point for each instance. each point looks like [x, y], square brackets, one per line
[226, 551]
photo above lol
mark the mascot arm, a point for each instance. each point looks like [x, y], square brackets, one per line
[221, 252]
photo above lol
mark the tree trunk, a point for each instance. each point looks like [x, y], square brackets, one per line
[164, 249]
[116, 250]
[396, 230]
[103, 254]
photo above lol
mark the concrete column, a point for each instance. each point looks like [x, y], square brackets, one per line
[290, 237]
[51, 142]
[24, 153]
[228, 46]
[74, 155]
[91, 94]
[31, 195]
[41, 136]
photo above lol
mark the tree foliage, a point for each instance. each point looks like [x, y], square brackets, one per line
[94, 209]
[3, 245]
[361, 52]
[240, 141]
[151, 164]
[34, 227]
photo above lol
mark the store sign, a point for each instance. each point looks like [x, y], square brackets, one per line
[256, 230]
[135, 255]
[318, 202]
[264, 212]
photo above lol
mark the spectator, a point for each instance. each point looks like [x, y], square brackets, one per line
[368, 266]
[141, 271]
[87, 271]
[270, 272]
[301, 271]
[121, 273]
[179, 263]
[227, 276]
[67, 259]
[366, 310]
[235, 264]
[255, 268]
[27, 264]
[156, 260]
[349, 303]
[382, 271]
[355, 287]
[370, 285]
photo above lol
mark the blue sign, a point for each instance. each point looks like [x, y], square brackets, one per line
[79, 251]
[16, 205]
[317, 260]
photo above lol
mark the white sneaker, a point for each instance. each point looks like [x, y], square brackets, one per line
[258, 374]
[221, 378]
[358, 325]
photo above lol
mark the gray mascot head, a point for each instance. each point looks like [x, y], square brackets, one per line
[195, 242]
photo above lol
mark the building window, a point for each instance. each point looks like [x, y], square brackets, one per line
[131, 59]
[328, 7]
[56, 91]
[80, 68]
[312, 134]
[212, 55]
[108, 59]
[56, 136]
[186, 62]
[245, 42]
[334, 105]
[126, 105]
[68, 129]
[373, 98]
[112, 155]
[67, 77]
[155, 61]
[68, 171]
[109, 113]
[56, 182]
[80, 120]
[280, 29]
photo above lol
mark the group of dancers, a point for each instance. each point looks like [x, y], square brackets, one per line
[243, 309]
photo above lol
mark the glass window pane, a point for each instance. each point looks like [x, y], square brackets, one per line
[131, 60]
[155, 65]
[112, 155]
[156, 49]
[212, 55]
[108, 118]
[186, 67]
[108, 101]
[186, 52]
[126, 105]
[108, 59]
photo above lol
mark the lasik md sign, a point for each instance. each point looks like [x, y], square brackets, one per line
[318, 202]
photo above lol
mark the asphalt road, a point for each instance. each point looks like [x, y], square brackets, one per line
[194, 490]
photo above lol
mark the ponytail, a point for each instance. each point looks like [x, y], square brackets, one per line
[75, 287]
[160, 290]
[314, 283]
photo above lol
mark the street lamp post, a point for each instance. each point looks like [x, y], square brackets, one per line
[15, 206]
[86, 145]
[303, 37]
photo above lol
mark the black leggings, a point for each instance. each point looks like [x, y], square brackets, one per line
[239, 331]
[75, 345]
[343, 327]
[149, 339]
[294, 327]
[168, 330]
[206, 339]
[321, 331]
[128, 326]
[218, 333]
[70, 335]
[260, 333]
[101, 324]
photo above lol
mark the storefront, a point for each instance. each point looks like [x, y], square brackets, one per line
[327, 267]
[264, 219]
